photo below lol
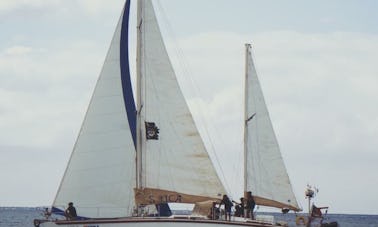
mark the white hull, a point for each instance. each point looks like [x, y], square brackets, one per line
[152, 222]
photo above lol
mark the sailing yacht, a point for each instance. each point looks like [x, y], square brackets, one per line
[134, 156]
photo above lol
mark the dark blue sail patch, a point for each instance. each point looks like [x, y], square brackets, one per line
[125, 72]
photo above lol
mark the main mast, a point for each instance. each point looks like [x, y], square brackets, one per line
[247, 47]
[139, 183]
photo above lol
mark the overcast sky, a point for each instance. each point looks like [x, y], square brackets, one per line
[316, 61]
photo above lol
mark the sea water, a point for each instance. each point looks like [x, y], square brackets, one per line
[23, 217]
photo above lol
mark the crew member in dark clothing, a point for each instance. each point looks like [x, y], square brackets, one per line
[227, 206]
[250, 205]
[239, 208]
[70, 212]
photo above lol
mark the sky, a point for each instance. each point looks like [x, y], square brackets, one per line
[316, 61]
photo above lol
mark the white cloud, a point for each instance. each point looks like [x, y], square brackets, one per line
[89, 6]
[66, 10]
[8, 5]
[18, 50]
[42, 90]
[98, 6]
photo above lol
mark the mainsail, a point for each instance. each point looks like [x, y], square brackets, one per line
[265, 172]
[176, 166]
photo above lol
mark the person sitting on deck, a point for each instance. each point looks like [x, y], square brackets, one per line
[239, 208]
[46, 213]
[70, 212]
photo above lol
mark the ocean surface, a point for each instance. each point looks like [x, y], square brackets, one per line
[23, 217]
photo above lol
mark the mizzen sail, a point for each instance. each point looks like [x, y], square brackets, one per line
[266, 174]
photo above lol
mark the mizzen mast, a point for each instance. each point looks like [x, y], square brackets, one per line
[247, 47]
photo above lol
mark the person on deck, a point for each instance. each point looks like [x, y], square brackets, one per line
[227, 206]
[70, 212]
[47, 213]
[239, 208]
[250, 205]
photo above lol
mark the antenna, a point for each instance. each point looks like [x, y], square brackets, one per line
[310, 193]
